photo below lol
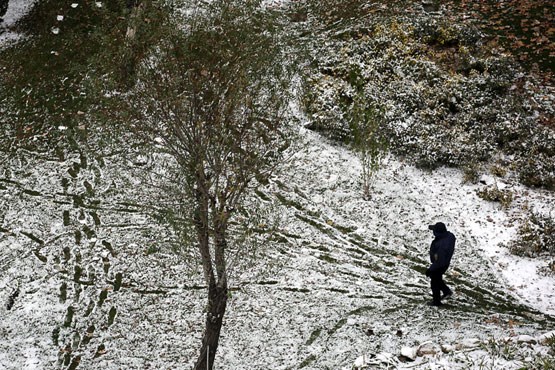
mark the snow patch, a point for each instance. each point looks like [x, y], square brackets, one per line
[16, 10]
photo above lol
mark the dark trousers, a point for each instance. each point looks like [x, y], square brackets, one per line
[438, 285]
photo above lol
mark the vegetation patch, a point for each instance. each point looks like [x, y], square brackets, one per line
[315, 334]
[448, 98]
[337, 326]
[328, 258]
[536, 236]
[494, 194]
[289, 202]
[58, 75]
[522, 26]
[310, 359]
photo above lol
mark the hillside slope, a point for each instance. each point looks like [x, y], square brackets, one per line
[343, 278]
[89, 279]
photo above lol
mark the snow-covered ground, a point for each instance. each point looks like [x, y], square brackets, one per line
[420, 198]
[342, 282]
[16, 9]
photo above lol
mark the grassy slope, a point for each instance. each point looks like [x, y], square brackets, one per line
[58, 75]
[338, 269]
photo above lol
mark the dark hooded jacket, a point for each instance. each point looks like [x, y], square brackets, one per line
[441, 250]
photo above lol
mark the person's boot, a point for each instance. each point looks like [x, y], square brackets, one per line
[447, 295]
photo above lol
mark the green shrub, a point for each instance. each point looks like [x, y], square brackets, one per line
[537, 170]
[445, 34]
[498, 170]
[536, 236]
[471, 173]
[541, 363]
[365, 122]
[494, 194]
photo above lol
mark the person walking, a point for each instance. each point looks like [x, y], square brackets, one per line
[441, 252]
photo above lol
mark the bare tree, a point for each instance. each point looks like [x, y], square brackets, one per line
[214, 98]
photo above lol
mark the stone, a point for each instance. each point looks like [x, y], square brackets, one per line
[470, 343]
[360, 363]
[487, 180]
[427, 349]
[409, 352]
[526, 339]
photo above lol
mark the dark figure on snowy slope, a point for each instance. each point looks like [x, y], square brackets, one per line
[441, 252]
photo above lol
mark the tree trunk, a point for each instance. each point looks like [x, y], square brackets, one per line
[217, 302]
[129, 63]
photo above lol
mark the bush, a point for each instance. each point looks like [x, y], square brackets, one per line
[331, 11]
[442, 33]
[538, 171]
[536, 236]
[494, 194]
[447, 99]
[365, 121]
[471, 173]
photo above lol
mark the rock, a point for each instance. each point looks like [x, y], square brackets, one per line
[367, 362]
[386, 358]
[487, 180]
[409, 352]
[427, 349]
[526, 339]
[469, 343]
[447, 348]
[360, 363]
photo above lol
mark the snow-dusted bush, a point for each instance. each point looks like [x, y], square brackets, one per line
[537, 169]
[442, 32]
[448, 100]
[494, 194]
[536, 236]
[369, 143]
[330, 11]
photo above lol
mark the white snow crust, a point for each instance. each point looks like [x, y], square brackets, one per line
[343, 282]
